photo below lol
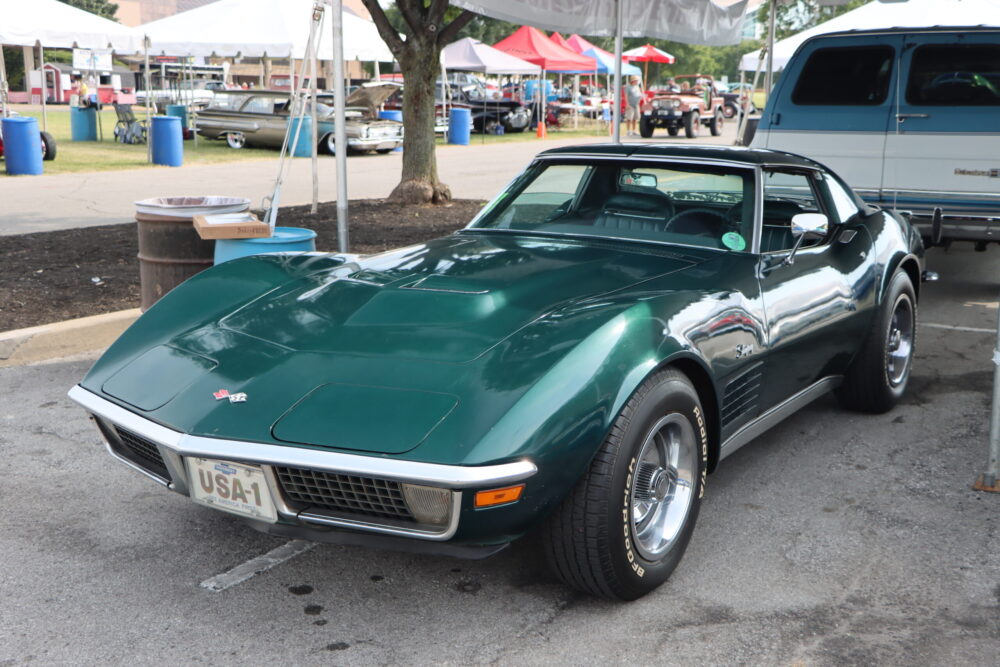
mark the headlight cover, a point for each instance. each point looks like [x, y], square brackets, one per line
[428, 504]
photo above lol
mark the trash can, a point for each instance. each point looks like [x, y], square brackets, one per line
[392, 114]
[170, 250]
[283, 239]
[303, 147]
[22, 146]
[168, 142]
[179, 111]
[83, 123]
[459, 126]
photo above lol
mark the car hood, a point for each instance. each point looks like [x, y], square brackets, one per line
[449, 300]
[368, 96]
[424, 347]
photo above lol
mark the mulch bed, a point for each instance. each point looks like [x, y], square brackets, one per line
[52, 276]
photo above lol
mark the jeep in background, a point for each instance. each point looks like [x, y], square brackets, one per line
[692, 105]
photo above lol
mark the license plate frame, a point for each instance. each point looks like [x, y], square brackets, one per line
[236, 488]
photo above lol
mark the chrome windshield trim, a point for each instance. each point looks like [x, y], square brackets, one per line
[589, 237]
[649, 157]
[430, 474]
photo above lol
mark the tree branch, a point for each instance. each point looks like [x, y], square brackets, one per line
[385, 29]
[412, 14]
[435, 12]
[450, 31]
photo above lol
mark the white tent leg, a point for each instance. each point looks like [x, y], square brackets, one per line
[45, 86]
[616, 111]
[340, 134]
[149, 121]
[4, 105]
[769, 76]
[315, 131]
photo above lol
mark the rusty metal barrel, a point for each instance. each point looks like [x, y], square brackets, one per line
[170, 250]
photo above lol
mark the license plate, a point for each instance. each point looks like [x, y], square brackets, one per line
[647, 113]
[231, 487]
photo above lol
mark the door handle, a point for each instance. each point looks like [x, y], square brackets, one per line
[900, 117]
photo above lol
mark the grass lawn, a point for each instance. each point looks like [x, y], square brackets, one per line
[108, 155]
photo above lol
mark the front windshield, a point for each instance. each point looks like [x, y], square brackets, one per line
[665, 202]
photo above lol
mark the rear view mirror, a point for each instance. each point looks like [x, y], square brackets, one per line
[809, 226]
[637, 179]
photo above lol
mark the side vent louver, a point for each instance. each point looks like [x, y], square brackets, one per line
[740, 395]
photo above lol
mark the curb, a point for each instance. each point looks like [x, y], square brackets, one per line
[61, 339]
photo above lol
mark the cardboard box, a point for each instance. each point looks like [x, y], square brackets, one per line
[243, 225]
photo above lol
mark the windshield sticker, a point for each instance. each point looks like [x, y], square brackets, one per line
[734, 241]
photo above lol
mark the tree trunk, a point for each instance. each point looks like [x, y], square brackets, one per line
[419, 182]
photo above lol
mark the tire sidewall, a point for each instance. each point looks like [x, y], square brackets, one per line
[636, 575]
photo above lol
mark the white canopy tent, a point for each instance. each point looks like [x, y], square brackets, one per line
[56, 25]
[876, 15]
[690, 21]
[257, 28]
[471, 55]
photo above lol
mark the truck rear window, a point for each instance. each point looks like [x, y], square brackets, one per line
[845, 76]
[955, 75]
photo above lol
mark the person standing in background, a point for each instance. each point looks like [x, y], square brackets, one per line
[633, 99]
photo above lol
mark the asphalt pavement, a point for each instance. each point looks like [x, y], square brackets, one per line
[64, 201]
[834, 539]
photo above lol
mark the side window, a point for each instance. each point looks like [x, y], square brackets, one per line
[259, 105]
[547, 197]
[841, 200]
[845, 76]
[955, 75]
[786, 194]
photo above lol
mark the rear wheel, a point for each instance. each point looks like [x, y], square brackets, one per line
[692, 124]
[715, 125]
[673, 130]
[879, 374]
[623, 529]
[730, 110]
[329, 144]
[646, 127]
[48, 146]
[236, 140]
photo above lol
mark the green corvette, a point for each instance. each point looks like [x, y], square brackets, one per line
[573, 363]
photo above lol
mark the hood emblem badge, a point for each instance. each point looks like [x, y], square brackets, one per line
[239, 397]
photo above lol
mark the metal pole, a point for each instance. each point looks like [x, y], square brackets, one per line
[339, 131]
[45, 85]
[616, 111]
[769, 76]
[988, 480]
[146, 83]
[318, 18]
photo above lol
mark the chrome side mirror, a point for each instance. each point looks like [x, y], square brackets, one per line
[806, 227]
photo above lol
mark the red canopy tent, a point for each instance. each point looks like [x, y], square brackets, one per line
[561, 41]
[579, 44]
[531, 44]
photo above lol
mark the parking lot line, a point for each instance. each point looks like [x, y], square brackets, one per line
[953, 327]
[254, 566]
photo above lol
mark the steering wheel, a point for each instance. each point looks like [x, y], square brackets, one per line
[692, 221]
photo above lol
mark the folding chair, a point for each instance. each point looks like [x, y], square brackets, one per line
[128, 129]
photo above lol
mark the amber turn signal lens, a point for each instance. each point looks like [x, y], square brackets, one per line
[499, 496]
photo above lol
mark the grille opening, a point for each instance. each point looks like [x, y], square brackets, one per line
[139, 450]
[364, 496]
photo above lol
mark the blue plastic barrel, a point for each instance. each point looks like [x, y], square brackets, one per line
[459, 126]
[284, 239]
[303, 148]
[83, 123]
[392, 114]
[180, 111]
[168, 141]
[22, 145]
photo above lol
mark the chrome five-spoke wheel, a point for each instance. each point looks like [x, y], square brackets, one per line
[900, 344]
[664, 485]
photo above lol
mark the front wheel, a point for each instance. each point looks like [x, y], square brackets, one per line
[646, 127]
[624, 527]
[692, 124]
[879, 374]
[673, 130]
[730, 110]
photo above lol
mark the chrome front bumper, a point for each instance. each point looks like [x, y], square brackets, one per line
[174, 446]
[379, 143]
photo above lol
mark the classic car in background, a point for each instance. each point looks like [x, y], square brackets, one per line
[488, 111]
[576, 361]
[260, 118]
[694, 105]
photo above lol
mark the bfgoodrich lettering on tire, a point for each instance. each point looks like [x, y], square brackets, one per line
[625, 526]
